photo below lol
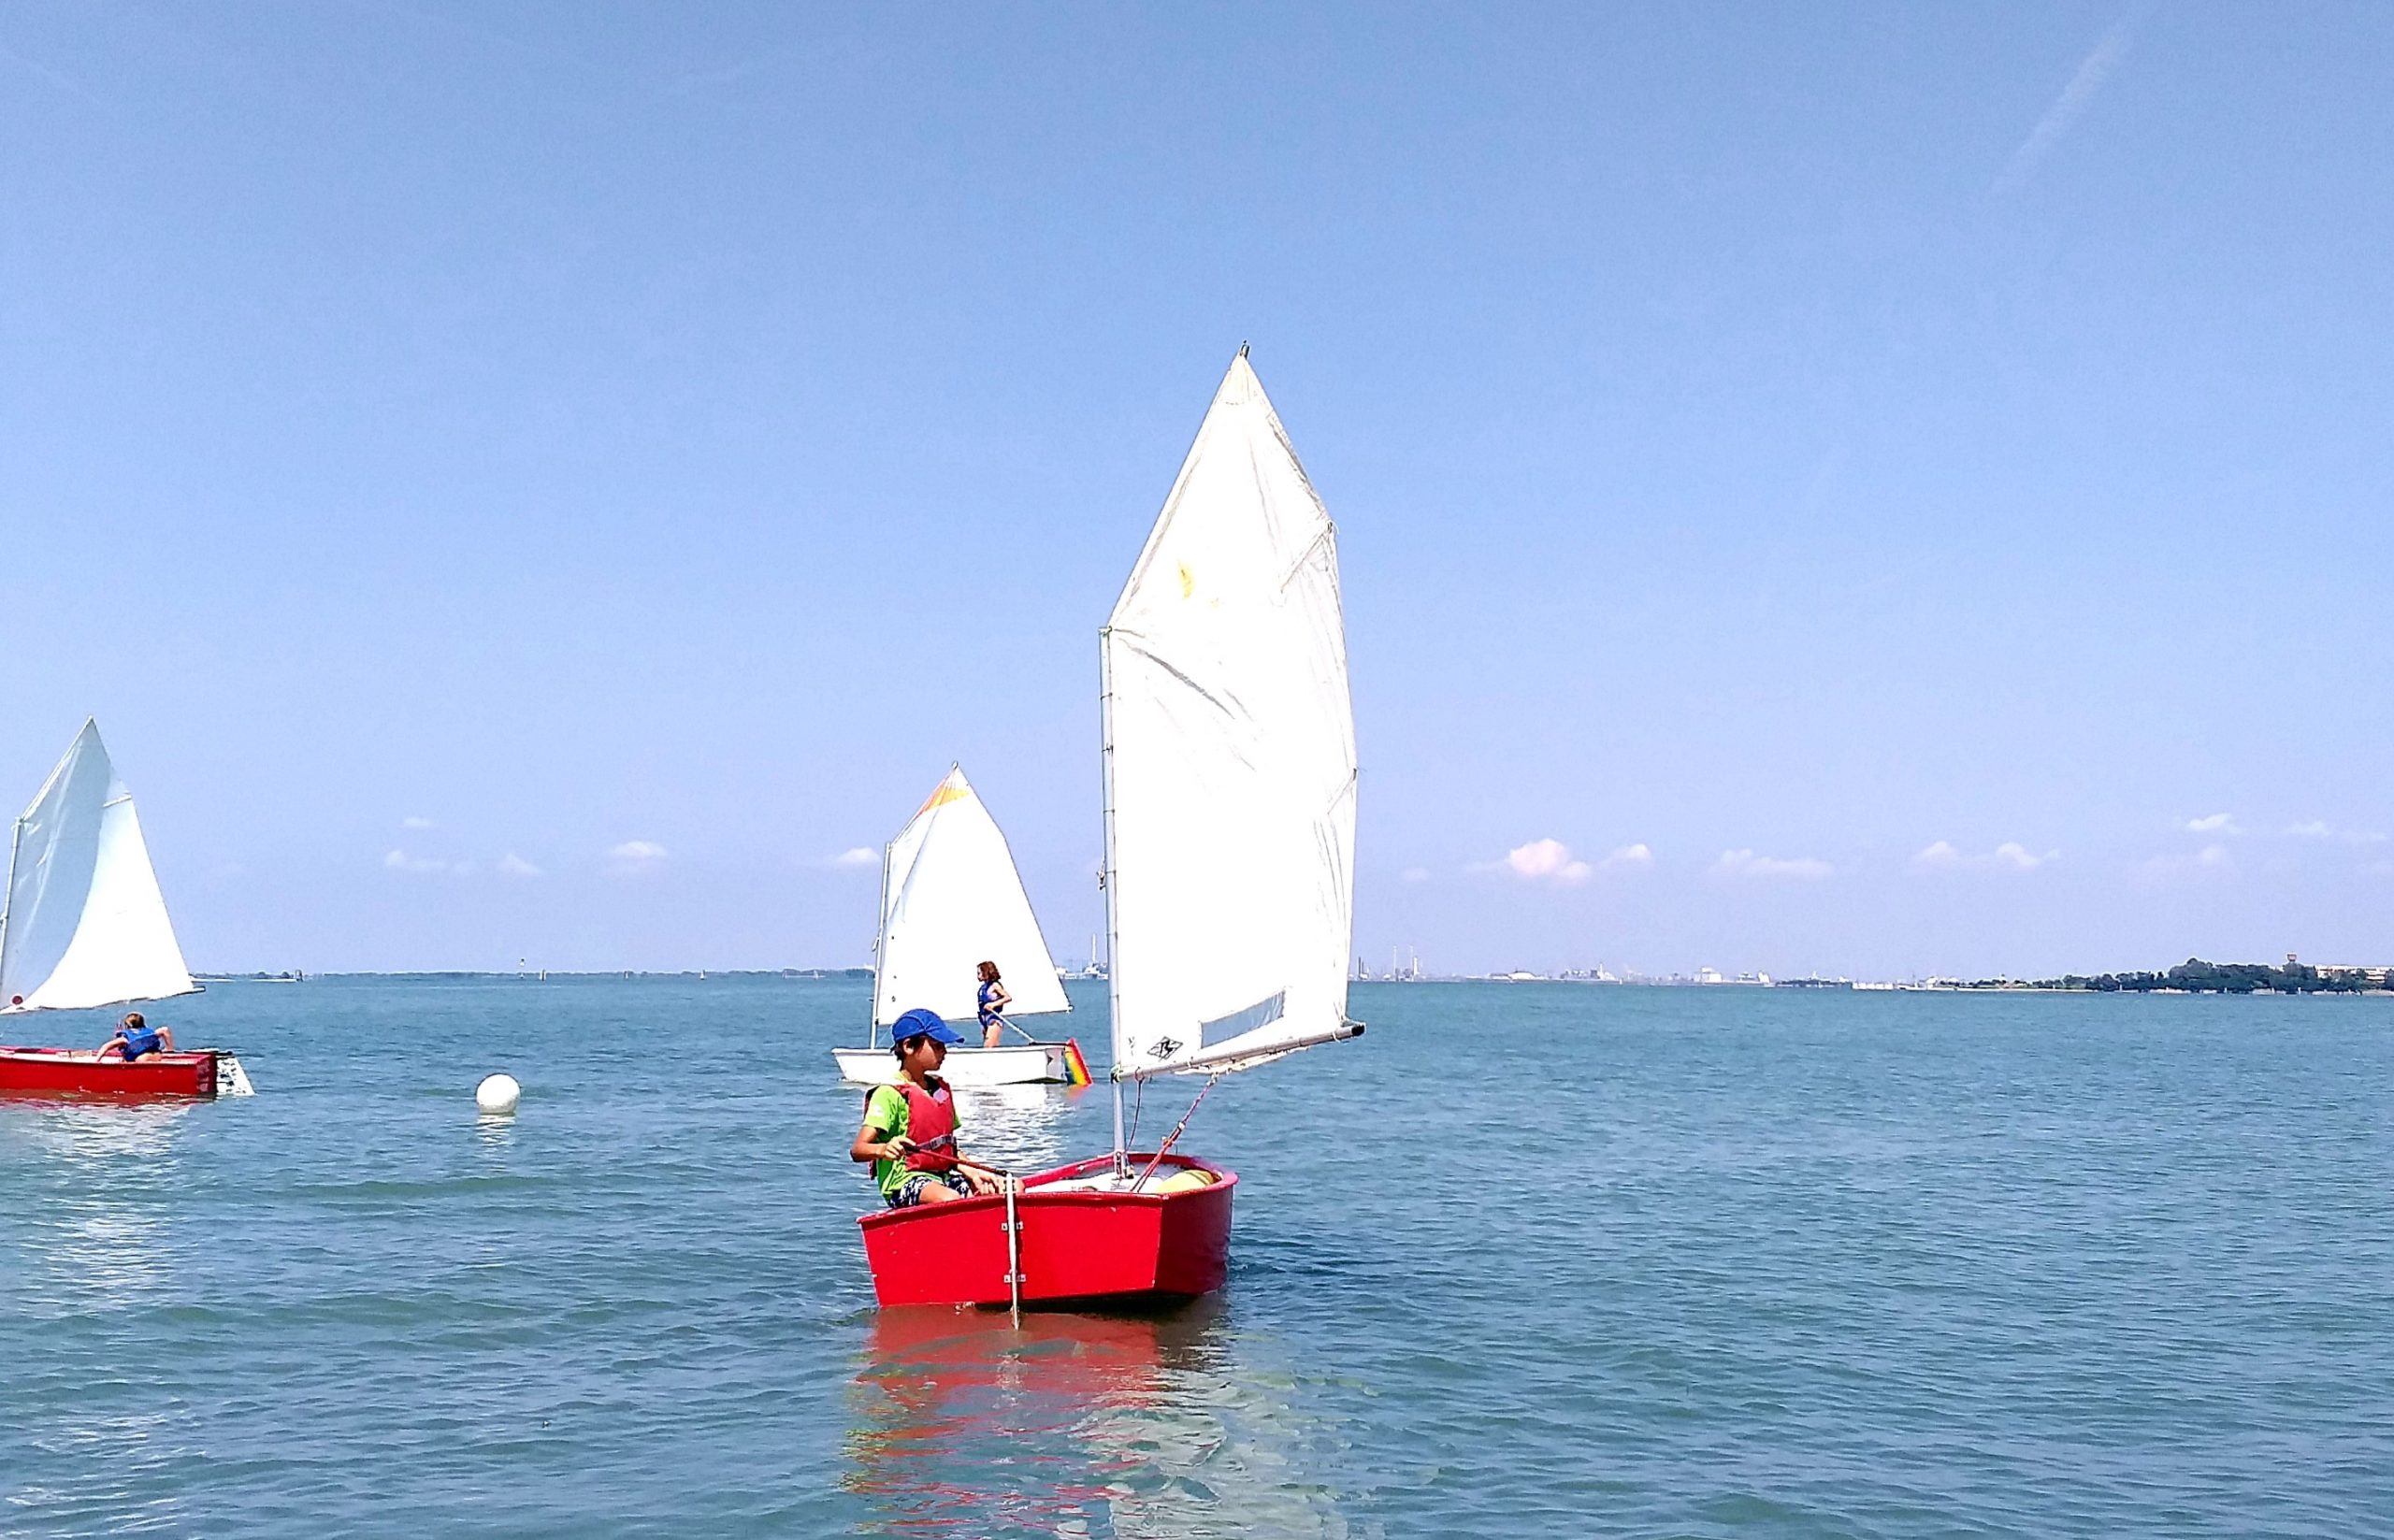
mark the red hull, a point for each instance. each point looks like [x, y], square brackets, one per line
[1111, 1246]
[72, 1072]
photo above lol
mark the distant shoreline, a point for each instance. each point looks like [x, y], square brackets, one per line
[2191, 977]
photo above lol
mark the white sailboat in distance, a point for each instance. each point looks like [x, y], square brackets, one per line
[83, 925]
[951, 899]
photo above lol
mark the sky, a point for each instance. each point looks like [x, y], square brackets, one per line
[1855, 489]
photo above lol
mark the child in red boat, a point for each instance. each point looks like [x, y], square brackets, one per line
[135, 1038]
[909, 1132]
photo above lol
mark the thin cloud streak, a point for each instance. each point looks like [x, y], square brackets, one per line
[2319, 828]
[2011, 855]
[2211, 858]
[1745, 863]
[2069, 106]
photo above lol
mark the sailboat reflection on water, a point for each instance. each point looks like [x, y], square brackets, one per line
[1126, 1425]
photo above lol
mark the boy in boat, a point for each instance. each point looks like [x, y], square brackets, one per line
[135, 1038]
[909, 1132]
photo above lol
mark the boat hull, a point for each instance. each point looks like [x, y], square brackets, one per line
[1016, 1064]
[73, 1072]
[1078, 1246]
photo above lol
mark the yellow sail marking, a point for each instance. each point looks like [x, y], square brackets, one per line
[948, 792]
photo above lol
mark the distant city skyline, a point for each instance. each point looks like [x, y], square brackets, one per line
[1846, 492]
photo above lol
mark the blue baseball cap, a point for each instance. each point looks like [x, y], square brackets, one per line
[923, 1024]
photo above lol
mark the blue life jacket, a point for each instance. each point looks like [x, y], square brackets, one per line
[139, 1041]
[988, 1017]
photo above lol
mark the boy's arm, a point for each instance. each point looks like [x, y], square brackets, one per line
[872, 1141]
[873, 1144]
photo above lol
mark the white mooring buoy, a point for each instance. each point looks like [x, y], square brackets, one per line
[498, 1095]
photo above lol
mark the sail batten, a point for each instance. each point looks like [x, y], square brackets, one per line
[951, 899]
[1231, 761]
[84, 922]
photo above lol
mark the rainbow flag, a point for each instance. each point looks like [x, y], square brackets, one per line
[1076, 1066]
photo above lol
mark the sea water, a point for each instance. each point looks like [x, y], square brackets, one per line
[1541, 1259]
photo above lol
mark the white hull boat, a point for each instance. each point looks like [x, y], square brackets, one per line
[967, 1068]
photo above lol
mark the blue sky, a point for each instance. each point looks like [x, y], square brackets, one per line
[1873, 486]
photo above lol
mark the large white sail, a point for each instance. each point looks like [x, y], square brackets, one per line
[951, 899]
[1230, 746]
[84, 923]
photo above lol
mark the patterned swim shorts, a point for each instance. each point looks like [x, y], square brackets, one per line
[910, 1191]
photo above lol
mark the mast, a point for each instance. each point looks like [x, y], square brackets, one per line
[880, 934]
[8, 897]
[1106, 880]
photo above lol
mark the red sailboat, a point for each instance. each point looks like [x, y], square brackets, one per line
[1229, 845]
[74, 1071]
[84, 924]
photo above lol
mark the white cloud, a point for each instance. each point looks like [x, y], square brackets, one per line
[2011, 855]
[2211, 858]
[635, 858]
[513, 865]
[1634, 858]
[860, 856]
[2213, 823]
[1545, 861]
[1414, 874]
[2318, 829]
[400, 860]
[417, 822]
[2085, 83]
[1745, 863]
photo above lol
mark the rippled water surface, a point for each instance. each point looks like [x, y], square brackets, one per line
[1531, 1258]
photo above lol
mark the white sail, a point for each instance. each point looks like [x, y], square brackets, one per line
[1231, 762]
[952, 899]
[84, 923]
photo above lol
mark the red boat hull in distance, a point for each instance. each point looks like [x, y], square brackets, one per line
[73, 1072]
[1111, 1248]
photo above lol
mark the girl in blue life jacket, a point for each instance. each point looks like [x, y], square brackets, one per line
[135, 1038]
[993, 998]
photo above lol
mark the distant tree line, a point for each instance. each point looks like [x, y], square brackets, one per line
[2196, 976]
